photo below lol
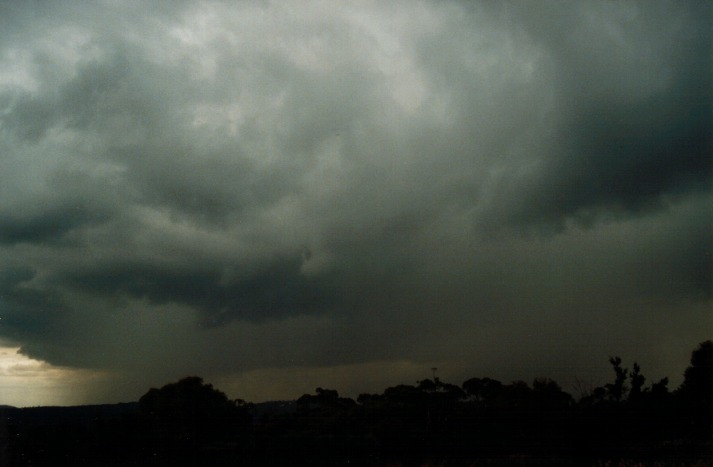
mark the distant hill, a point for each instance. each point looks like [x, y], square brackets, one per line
[30, 417]
[272, 408]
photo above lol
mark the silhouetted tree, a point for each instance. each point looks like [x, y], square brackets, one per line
[695, 395]
[325, 398]
[697, 384]
[617, 389]
[483, 390]
[637, 382]
[547, 394]
[184, 418]
[660, 388]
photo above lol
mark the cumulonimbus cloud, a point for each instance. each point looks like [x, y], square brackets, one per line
[396, 173]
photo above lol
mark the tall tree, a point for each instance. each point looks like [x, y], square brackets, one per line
[698, 378]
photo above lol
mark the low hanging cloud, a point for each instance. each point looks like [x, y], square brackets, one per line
[221, 187]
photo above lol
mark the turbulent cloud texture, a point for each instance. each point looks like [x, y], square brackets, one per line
[224, 187]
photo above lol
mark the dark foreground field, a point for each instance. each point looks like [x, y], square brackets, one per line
[482, 422]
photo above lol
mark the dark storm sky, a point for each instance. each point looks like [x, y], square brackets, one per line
[253, 190]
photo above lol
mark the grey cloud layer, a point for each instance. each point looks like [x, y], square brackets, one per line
[373, 177]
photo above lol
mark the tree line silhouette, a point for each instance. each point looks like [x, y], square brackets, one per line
[481, 422]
